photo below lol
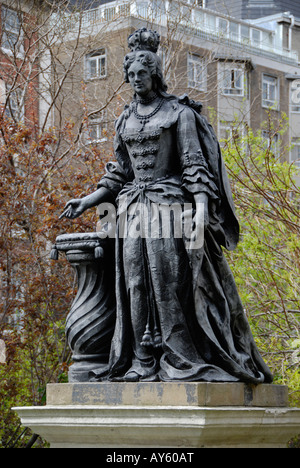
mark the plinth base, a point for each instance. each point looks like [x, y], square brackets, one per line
[158, 415]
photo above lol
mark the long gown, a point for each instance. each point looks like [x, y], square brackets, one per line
[179, 315]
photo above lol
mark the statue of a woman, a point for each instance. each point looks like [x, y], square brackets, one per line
[179, 316]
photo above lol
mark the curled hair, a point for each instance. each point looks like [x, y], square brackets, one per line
[150, 60]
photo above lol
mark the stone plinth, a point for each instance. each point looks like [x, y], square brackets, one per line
[91, 321]
[164, 415]
[167, 394]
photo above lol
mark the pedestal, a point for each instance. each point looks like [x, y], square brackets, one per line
[90, 323]
[160, 415]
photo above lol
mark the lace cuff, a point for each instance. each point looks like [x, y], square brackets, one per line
[192, 159]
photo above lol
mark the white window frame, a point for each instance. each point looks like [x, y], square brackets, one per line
[2, 92]
[10, 31]
[255, 42]
[165, 53]
[227, 130]
[274, 145]
[295, 154]
[222, 31]
[142, 9]
[15, 107]
[110, 13]
[268, 101]
[295, 96]
[158, 8]
[233, 80]
[235, 35]
[267, 39]
[96, 58]
[197, 72]
[96, 126]
[124, 9]
[245, 39]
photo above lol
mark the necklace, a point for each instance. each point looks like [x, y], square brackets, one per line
[144, 119]
[146, 100]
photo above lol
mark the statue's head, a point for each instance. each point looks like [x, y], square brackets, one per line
[144, 44]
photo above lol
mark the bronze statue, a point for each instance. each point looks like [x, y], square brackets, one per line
[178, 312]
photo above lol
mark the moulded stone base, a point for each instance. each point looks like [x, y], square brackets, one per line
[168, 394]
[160, 415]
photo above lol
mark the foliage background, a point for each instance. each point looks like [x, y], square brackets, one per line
[41, 170]
[266, 263]
[37, 292]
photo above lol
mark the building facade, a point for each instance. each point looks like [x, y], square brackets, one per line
[243, 72]
[19, 96]
[252, 9]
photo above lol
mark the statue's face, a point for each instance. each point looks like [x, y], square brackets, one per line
[140, 78]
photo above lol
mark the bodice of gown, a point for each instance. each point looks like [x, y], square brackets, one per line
[167, 145]
[152, 153]
[178, 142]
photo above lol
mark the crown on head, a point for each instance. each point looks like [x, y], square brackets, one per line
[144, 39]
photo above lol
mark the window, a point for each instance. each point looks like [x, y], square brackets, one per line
[186, 14]
[15, 104]
[166, 60]
[271, 142]
[256, 37]
[199, 19]
[223, 25]
[228, 28]
[295, 154]
[295, 96]
[270, 92]
[95, 65]
[233, 80]
[11, 30]
[124, 10]
[245, 33]
[97, 129]
[234, 31]
[231, 131]
[158, 7]
[267, 39]
[196, 72]
[110, 14]
[225, 132]
[91, 16]
[142, 9]
[2, 92]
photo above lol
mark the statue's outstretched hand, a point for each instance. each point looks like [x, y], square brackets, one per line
[73, 209]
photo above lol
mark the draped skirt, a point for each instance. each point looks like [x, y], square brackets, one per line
[179, 315]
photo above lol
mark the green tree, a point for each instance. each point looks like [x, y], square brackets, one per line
[266, 263]
[36, 292]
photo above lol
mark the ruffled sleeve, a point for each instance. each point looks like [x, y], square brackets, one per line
[114, 178]
[196, 176]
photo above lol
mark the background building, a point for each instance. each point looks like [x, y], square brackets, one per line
[69, 66]
[61, 69]
[19, 61]
[252, 9]
[244, 72]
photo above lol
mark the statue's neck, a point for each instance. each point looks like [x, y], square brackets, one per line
[148, 99]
